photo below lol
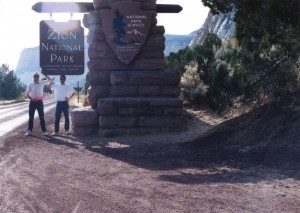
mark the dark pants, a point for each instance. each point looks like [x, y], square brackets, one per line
[62, 106]
[39, 106]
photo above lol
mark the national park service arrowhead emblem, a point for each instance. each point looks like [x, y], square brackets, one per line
[126, 28]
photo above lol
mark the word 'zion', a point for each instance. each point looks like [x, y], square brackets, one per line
[54, 35]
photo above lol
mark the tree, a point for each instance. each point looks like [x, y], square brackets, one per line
[4, 69]
[204, 55]
[178, 61]
[118, 27]
[267, 31]
[10, 85]
[218, 6]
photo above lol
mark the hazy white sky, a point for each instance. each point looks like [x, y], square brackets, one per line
[20, 24]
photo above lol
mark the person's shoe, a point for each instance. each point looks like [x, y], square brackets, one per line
[29, 132]
[67, 132]
[54, 133]
[45, 133]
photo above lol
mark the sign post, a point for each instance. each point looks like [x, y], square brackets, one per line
[78, 89]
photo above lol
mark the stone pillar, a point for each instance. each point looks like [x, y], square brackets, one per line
[138, 97]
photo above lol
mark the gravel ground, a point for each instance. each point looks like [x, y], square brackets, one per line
[166, 172]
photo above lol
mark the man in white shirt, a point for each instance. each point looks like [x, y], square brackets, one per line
[36, 96]
[63, 92]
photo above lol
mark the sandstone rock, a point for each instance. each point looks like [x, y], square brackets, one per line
[119, 78]
[173, 91]
[115, 122]
[123, 91]
[96, 92]
[154, 78]
[95, 34]
[161, 121]
[82, 117]
[100, 50]
[84, 131]
[149, 90]
[99, 78]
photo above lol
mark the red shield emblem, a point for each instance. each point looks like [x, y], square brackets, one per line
[126, 28]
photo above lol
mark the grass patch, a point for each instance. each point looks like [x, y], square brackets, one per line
[75, 102]
[20, 99]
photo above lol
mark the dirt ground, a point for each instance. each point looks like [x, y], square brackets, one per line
[212, 165]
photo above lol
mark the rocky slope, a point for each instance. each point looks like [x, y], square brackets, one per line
[222, 25]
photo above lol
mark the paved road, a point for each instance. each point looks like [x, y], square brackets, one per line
[14, 115]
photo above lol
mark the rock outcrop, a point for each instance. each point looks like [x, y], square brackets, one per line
[222, 25]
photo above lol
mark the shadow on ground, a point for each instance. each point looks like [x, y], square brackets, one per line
[260, 145]
[249, 148]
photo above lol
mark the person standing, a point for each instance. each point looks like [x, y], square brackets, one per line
[63, 92]
[36, 95]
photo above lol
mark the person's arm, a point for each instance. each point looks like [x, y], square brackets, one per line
[28, 93]
[72, 93]
[28, 96]
[70, 96]
[48, 78]
[49, 85]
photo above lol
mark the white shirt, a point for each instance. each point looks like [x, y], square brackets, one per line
[36, 90]
[62, 91]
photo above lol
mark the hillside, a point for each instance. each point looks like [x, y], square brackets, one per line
[268, 135]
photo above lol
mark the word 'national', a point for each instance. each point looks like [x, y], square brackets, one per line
[56, 47]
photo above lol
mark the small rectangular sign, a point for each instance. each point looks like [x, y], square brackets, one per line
[62, 47]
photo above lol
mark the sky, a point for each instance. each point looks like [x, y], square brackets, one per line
[20, 24]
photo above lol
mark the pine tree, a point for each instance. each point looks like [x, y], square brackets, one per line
[118, 28]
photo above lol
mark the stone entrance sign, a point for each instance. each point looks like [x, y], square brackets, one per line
[62, 47]
[126, 29]
[130, 91]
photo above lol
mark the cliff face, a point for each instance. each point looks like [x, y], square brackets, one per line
[28, 64]
[222, 25]
[174, 43]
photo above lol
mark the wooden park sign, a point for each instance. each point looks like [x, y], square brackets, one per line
[126, 29]
[61, 47]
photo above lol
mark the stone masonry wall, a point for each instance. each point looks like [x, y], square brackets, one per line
[139, 97]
